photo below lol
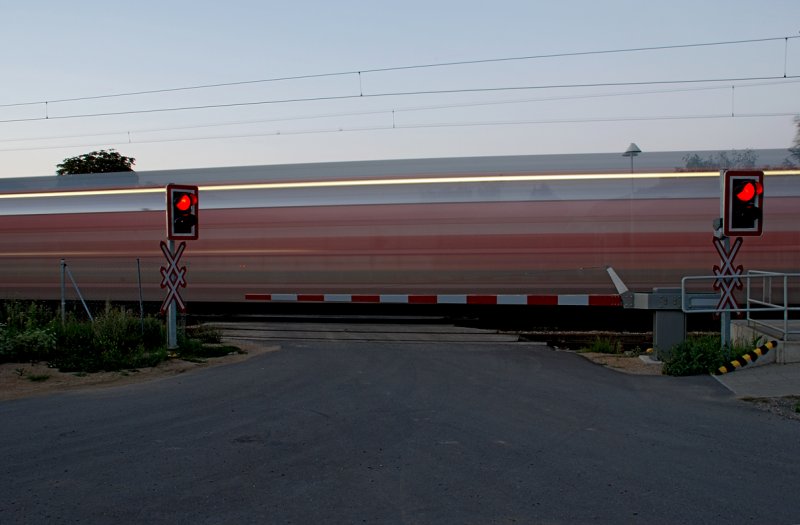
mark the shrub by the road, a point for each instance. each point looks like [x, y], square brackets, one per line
[117, 339]
[700, 355]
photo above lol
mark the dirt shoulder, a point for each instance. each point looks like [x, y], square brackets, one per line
[20, 380]
[622, 363]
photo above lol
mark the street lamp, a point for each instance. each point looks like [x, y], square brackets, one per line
[631, 152]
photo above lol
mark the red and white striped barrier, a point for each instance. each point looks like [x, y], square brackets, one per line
[529, 300]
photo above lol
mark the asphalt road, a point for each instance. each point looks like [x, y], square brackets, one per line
[328, 431]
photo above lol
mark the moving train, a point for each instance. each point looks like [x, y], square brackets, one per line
[487, 225]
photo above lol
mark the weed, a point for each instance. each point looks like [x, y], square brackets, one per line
[116, 340]
[38, 378]
[605, 345]
[701, 355]
[204, 333]
[215, 351]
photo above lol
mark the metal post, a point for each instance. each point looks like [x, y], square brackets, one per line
[172, 313]
[63, 293]
[141, 300]
[725, 317]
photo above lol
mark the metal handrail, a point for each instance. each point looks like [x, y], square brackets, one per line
[752, 305]
[766, 300]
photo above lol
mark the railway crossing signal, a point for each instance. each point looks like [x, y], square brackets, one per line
[182, 212]
[173, 277]
[727, 275]
[743, 200]
[183, 207]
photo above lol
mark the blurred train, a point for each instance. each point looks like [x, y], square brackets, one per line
[489, 225]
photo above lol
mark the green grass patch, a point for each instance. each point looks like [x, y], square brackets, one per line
[699, 355]
[118, 339]
[604, 345]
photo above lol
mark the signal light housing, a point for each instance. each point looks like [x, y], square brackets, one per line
[182, 212]
[743, 202]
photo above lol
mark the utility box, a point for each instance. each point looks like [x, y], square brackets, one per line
[669, 321]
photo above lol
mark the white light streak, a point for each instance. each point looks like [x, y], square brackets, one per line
[470, 179]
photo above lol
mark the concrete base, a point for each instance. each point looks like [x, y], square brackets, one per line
[787, 351]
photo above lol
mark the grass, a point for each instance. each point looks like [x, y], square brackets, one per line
[604, 345]
[702, 355]
[117, 339]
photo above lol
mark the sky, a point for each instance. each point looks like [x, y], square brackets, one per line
[322, 81]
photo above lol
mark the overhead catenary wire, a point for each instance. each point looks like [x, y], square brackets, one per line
[406, 109]
[394, 126]
[362, 71]
[394, 94]
[678, 85]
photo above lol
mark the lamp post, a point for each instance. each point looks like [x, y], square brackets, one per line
[631, 152]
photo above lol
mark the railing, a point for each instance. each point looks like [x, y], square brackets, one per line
[766, 303]
[777, 312]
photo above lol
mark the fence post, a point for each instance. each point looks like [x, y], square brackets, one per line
[63, 293]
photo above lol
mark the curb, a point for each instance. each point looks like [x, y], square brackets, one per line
[747, 358]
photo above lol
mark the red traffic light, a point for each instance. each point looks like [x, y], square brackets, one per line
[743, 201]
[184, 202]
[749, 190]
[182, 212]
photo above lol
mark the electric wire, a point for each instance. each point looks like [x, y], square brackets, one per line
[390, 127]
[407, 109]
[406, 68]
[392, 94]
[743, 81]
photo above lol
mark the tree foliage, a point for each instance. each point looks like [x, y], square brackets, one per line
[745, 159]
[795, 149]
[103, 161]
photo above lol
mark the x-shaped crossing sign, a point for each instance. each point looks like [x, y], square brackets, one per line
[173, 277]
[728, 276]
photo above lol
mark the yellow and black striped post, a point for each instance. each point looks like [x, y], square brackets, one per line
[747, 358]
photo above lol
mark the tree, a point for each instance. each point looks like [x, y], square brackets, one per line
[722, 160]
[795, 149]
[96, 162]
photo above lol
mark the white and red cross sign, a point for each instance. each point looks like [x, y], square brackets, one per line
[173, 277]
[727, 276]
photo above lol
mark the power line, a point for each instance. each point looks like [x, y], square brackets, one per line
[404, 110]
[390, 127]
[394, 94]
[406, 68]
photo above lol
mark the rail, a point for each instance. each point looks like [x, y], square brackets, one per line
[766, 302]
[776, 292]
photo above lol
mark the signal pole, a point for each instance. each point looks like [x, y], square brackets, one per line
[182, 224]
[740, 210]
[172, 313]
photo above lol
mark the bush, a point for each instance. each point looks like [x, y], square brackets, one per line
[699, 355]
[76, 349]
[605, 345]
[204, 333]
[18, 316]
[117, 339]
[24, 332]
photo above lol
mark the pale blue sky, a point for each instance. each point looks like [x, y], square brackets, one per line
[54, 50]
